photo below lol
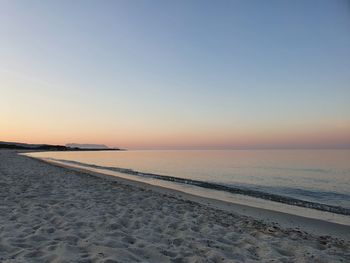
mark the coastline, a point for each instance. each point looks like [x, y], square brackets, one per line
[218, 188]
[137, 219]
[284, 220]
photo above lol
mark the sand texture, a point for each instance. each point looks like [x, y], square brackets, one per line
[53, 214]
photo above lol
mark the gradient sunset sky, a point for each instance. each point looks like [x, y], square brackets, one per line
[176, 74]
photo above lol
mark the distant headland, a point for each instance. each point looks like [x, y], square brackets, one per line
[50, 147]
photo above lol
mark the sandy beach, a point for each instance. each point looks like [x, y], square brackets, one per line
[54, 214]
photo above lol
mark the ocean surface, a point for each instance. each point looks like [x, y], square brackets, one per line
[314, 183]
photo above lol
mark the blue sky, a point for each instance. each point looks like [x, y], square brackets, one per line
[154, 74]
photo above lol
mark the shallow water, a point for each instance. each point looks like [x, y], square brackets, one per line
[314, 176]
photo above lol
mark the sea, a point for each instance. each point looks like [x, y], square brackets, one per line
[310, 183]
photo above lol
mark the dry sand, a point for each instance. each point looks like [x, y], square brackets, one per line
[53, 214]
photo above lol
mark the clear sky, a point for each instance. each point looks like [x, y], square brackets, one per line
[176, 74]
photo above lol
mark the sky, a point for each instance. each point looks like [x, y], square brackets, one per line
[186, 74]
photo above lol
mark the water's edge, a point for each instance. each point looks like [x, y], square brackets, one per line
[220, 187]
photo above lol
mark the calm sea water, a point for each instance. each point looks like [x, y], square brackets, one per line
[314, 176]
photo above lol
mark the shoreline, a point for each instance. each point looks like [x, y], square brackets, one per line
[50, 213]
[284, 220]
[271, 197]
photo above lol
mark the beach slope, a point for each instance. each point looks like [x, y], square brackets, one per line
[54, 214]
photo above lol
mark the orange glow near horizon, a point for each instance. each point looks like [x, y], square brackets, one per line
[143, 138]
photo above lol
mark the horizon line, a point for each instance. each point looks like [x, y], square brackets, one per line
[261, 147]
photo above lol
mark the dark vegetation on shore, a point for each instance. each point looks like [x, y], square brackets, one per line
[48, 147]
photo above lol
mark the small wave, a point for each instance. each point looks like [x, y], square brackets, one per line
[326, 197]
[220, 187]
